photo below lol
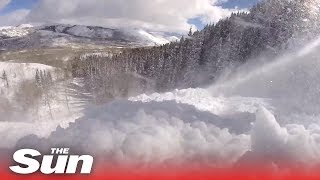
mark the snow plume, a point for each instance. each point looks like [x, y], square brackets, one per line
[169, 133]
[147, 134]
[289, 146]
[290, 82]
[267, 135]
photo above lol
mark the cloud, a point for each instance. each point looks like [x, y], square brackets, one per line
[14, 18]
[163, 15]
[4, 3]
[156, 15]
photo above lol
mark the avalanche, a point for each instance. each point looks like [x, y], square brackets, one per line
[267, 114]
[172, 133]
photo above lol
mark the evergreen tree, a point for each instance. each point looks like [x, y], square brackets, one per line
[190, 32]
[49, 78]
[5, 78]
[38, 78]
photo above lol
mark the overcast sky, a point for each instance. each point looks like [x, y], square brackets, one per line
[158, 15]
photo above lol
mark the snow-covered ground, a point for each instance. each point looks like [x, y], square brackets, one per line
[156, 38]
[16, 31]
[17, 73]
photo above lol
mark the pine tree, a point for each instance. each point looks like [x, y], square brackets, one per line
[49, 78]
[42, 77]
[38, 79]
[5, 78]
[190, 32]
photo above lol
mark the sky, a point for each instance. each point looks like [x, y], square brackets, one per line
[155, 15]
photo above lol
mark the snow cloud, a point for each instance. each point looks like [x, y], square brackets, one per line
[148, 134]
[163, 15]
[168, 133]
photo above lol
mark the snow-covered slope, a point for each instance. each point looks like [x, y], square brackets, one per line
[25, 36]
[15, 31]
[23, 109]
[19, 72]
[138, 36]
[156, 38]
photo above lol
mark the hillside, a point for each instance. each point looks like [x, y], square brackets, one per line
[77, 36]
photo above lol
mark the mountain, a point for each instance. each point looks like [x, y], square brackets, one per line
[60, 35]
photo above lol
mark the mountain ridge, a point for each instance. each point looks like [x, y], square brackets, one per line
[50, 35]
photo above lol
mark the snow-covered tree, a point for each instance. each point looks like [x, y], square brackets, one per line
[5, 78]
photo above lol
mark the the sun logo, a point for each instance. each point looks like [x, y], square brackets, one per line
[65, 163]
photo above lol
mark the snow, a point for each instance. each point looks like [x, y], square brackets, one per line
[157, 40]
[25, 26]
[18, 72]
[267, 135]
[268, 114]
[293, 143]
[144, 134]
[96, 54]
[43, 121]
[175, 128]
[18, 31]
[82, 31]
[85, 31]
[264, 116]
[152, 38]
[5, 27]
[78, 36]
[26, 70]
[204, 101]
